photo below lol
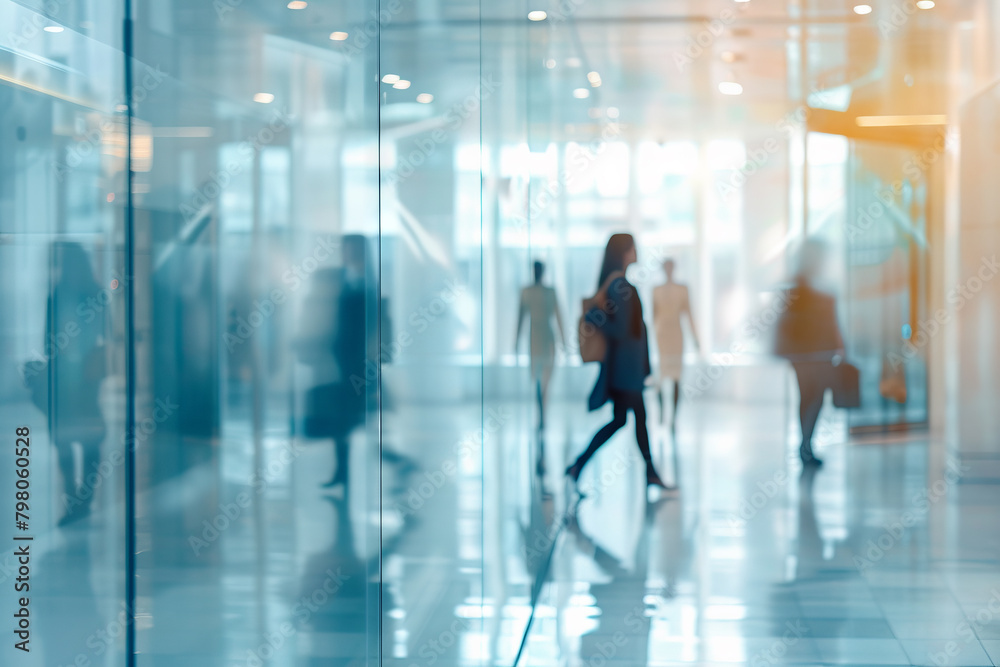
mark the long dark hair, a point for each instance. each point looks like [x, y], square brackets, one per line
[614, 255]
[614, 260]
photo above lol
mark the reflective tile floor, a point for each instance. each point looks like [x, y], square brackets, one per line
[884, 556]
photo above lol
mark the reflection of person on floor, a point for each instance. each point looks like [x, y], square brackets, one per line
[624, 624]
[75, 372]
[670, 302]
[540, 305]
[626, 361]
[809, 337]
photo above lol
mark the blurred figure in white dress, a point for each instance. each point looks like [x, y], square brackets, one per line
[540, 305]
[670, 302]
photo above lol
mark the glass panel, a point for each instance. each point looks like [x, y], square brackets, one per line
[885, 244]
[62, 198]
[257, 240]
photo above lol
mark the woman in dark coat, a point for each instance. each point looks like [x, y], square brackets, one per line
[626, 362]
[76, 371]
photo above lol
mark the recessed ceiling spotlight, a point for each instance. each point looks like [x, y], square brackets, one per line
[425, 98]
[862, 9]
[612, 112]
[925, 4]
[263, 98]
[402, 84]
[728, 57]
[338, 36]
[573, 62]
[730, 88]
[298, 4]
[53, 28]
[594, 78]
[391, 79]
[550, 64]
[537, 15]
[581, 93]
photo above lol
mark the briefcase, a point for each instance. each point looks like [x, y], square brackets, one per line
[846, 386]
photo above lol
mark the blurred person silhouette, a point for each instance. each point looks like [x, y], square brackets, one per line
[671, 302]
[625, 365]
[75, 370]
[351, 341]
[808, 335]
[540, 305]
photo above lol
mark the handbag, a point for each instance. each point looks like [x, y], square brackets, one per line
[332, 410]
[593, 344]
[846, 386]
[892, 384]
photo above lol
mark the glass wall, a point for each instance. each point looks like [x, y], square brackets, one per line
[267, 269]
[62, 256]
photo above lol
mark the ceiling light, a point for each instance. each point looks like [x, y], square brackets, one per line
[862, 9]
[53, 28]
[728, 57]
[338, 36]
[402, 84]
[537, 16]
[581, 93]
[390, 79]
[898, 121]
[573, 62]
[925, 4]
[550, 63]
[594, 78]
[263, 98]
[612, 112]
[730, 88]
[298, 4]
[425, 98]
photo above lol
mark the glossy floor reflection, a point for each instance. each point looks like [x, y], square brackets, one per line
[883, 556]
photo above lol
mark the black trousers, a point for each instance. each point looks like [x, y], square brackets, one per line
[623, 402]
[814, 377]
